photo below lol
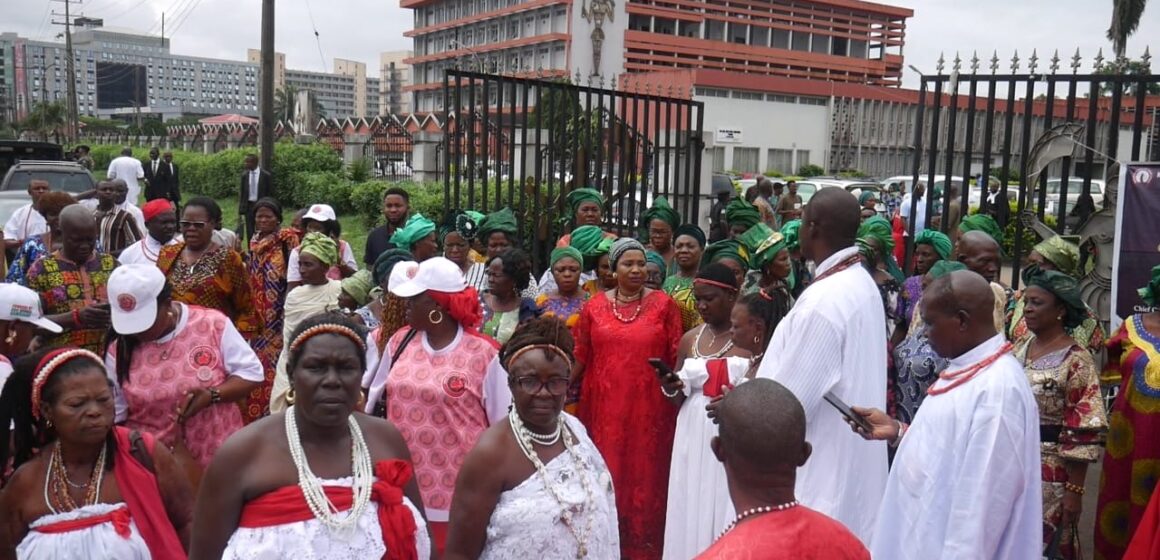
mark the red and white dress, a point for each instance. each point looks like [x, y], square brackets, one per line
[95, 531]
[202, 352]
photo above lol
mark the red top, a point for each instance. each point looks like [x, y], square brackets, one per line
[798, 533]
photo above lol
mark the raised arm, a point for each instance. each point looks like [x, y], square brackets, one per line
[477, 491]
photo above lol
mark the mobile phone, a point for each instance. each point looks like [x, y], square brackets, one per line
[663, 370]
[850, 415]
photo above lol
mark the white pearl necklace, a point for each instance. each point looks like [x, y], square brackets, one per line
[546, 440]
[524, 437]
[320, 505]
[697, 345]
[755, 511]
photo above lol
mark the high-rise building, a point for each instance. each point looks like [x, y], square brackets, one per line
[394, 76]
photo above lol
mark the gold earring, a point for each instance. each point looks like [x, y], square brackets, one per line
[290, 396]
[10, 338]
[431, 316]
[756, 340]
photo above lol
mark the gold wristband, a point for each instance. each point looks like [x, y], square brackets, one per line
[1073, 488]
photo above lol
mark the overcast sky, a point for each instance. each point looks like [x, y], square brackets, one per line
[360, 29]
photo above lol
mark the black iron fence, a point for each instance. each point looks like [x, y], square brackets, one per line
[1047, 139]
[526, 143]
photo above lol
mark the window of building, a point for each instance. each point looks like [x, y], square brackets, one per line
[800, 41]
[759, 36]
[689, 28]
[778, 98]
[820, 44]
[715, 30]
[665, 26]
[748, 95]
[637, 22]
[858, 49]
[711, 92]
[779, 160]
[739, 33]
[803, 158]
[820, 101]
[839, 46]
[718, 154]
[745, 160]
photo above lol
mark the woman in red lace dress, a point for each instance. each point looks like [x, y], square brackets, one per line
[630, 421]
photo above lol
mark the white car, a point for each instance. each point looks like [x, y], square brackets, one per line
[1074, 190]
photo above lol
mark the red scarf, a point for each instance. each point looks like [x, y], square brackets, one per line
[288, 505]
[718, 378]
[138, 487]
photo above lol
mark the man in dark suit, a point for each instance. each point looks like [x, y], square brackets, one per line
[994, 202]
[256, 183]
[162, 178]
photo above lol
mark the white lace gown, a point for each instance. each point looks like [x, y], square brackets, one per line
[699, 507]
[527, 521]
[99, 542]
[311, 540]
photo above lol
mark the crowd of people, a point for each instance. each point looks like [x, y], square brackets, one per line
[778, 388]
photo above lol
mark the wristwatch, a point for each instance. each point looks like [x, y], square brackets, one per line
[215, 396]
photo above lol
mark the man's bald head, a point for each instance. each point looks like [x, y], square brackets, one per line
[762, 430]
[76, 217]
[981, 253]
[829, 223]
[959, 308]
[78, 230]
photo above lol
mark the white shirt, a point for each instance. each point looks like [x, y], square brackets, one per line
[834, 339]
[920, 212]
[240, 360]
[132, 209]
[966, 479]
[24, 223]
[128, 169]
[143, 252]
[345, 253]
[255, 176]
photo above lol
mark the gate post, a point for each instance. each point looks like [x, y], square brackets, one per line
[424, 160]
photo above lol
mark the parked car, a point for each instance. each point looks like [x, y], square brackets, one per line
[65, 176]
[14, 151]
[1074, 190]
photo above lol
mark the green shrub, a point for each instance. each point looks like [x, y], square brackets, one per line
[360, 170]
[774, 174]
[1030, 238]
[811, 170]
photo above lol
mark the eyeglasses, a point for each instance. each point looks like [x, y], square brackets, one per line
[187, 224]
[556, 385]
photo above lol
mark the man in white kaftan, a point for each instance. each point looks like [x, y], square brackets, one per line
[834, 340]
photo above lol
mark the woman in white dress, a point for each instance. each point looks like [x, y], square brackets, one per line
[132, 500]
[535, 487]
[318, 481]
[699, 507]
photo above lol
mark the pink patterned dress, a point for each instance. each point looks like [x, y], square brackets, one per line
[442, 401]
[160, 373]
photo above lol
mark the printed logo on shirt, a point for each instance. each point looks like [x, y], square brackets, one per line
[455, 385]
[202, 358]
[126, 302]
[20, 311]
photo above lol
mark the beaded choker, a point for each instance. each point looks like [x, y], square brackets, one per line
[964, 375]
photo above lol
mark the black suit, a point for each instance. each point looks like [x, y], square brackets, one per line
[265, 188]
[162, 183]
[1000, 209]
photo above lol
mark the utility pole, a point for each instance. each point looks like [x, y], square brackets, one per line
[70, 68]
[266, 87]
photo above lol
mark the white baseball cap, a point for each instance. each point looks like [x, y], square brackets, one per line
[436, 273]
[320, 213]
[18, 303]
[133, 290]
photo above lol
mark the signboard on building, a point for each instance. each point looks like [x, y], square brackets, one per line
[1137, 239]
[728, 135]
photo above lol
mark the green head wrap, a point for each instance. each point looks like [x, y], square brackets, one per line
[983, 223]
[877, 228]
[475, 216]
[790, 231]
[321, 247]
[1062, 252]
[660, 210]
[945, 267]
[1148, 293]
[762, 244]
[358, 286]
[566, 253]
[586, 238]
[580, 196]
[691, 230]
[386, 261]
[417, 228]
[741, 213]
[1064, 287]
[656, 258]
[726, 249]
[501, 220]
[867, 195]
[937, 239]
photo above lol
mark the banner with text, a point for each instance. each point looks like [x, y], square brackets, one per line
[1137, 238]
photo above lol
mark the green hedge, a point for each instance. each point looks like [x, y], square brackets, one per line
[1030, 238]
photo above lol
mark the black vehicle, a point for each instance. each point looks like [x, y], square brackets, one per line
[12, 151]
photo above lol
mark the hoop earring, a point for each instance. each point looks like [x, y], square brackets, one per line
[614, 276]
[290, 396]
[757, 340]
[431, 316]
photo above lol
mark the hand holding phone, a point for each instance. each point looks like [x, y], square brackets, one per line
[845, 411]
[671, 384]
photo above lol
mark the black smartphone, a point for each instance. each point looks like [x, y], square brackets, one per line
[663, 370]
[845, 410]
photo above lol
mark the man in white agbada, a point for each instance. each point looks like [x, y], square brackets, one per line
[833, 340]
[966, 481]
[128, 169]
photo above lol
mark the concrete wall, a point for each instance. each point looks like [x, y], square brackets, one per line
[765, 125]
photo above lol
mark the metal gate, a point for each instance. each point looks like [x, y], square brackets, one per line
[983, 125]
[526, 143]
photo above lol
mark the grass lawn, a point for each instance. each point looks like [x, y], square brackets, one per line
[353, 230]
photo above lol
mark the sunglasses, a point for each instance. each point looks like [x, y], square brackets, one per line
[196, 225]
[556, 385]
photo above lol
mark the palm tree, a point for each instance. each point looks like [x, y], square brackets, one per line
[1125, 19]
[47, 119]
[286, 102]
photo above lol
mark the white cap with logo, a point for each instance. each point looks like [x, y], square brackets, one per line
[320, 213]
[437, 274]
[18, 303]
[133, 290]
